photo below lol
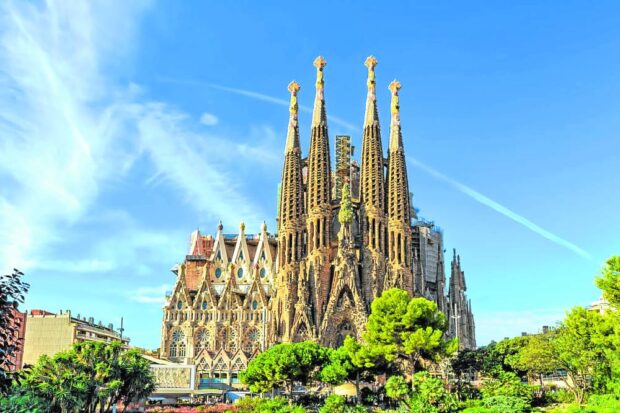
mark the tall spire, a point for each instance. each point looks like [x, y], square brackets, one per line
[372, 114]
[291, 196]
[319, 116]
[398, 185]
[319, 174]
[290, 225]
[372, 194]
[372, 190]
[400, 250]
[292, 135]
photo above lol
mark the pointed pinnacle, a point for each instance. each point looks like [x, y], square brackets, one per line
[292, 140]
[371, 115]
[395, 137]
[318, 113]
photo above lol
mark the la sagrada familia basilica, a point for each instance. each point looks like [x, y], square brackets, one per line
[344, 235]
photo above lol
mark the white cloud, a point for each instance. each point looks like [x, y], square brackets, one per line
[151, 295]
[67, 128]
[55, 148]
[208, 119]
[78, 266]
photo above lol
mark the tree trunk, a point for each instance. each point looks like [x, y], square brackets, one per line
[357, 387]
[290, 393]
[542, 384]
[413, 359]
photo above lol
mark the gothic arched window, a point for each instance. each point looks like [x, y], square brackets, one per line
[202, 341]
[232, 341]
[177, 345]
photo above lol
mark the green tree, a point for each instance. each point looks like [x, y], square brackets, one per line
[137, 381]
[407, 329]
[507, 354]
[537, 357]
[609, 334]
[351, 361]
[57, 381]
[578, 350]
[466, 361]
[397, 389]
[431, 396]
[12, 293]
[90, 377]
[609, 281]
[284, 364]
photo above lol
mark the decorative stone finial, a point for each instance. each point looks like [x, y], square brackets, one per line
[319, 63]
[395, 107]
[263, 227]
[318, 113]
[220, 227]
[395, 134]
[372, 116]
[292, 140]
[371, 63]
[394, 87]
[293, 87]
[242, 226]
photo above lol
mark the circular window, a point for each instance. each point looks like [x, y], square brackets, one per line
[204, 305]
[254, 304]
[262, 272]
[218, 272]
[240, 272]
[180, 305]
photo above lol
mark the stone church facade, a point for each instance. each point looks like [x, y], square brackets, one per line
[335, 251]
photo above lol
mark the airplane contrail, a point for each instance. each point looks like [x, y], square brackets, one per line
[497, 207]
[258, 96]
[472, 193]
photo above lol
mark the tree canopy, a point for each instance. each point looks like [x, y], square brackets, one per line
[12, 293]
[90, 377]
[284, 364]
[609, 281]
[409, 329]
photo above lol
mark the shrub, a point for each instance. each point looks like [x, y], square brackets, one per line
[509, 385]
[333, 404]
[560, 396]
[603, 403]
[338, 404]
[267, 405]
[431, 395]
[506, 404]
[479, 409]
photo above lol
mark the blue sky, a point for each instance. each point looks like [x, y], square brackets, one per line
[126, 125]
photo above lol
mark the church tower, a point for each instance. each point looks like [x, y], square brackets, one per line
[400, 251]
[290, 228]
[319, 198]
[372, 194]
[460, 317]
